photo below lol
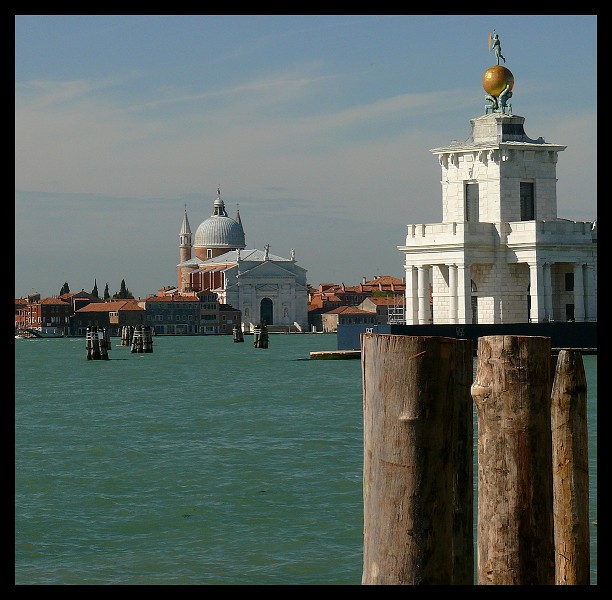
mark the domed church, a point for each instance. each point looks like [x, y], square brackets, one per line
[263, 286]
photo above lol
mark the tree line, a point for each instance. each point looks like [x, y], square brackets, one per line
[123, 293]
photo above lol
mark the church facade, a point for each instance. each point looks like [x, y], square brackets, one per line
[264, 287]
[501, 254]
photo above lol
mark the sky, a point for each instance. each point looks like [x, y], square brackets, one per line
[318, 128]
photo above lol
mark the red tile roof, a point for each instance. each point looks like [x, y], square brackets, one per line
[114, 306]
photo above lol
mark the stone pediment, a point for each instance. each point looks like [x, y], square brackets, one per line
[267, 287]
[265, 269]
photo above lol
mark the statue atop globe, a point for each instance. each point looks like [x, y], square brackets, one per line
[497, 81]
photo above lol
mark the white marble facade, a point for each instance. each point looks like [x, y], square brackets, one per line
[264, 286]
[500, 254]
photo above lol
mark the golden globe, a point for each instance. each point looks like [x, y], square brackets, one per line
[495, 79]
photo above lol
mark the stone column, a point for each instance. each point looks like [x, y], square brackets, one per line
[578, 292]
[452, 293]
[536, 314]
[464, 294]
[548, 310]
[590, 298]
[423, 294]
[410, 316]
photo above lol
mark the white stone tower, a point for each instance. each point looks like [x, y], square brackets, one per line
[500, 254]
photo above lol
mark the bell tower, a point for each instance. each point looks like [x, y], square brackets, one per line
[184, 251]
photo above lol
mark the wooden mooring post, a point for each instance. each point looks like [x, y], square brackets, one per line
[511, 392]
[126, 335]
[142, 340]
[237, 334]
[260, 335]
[570, 470]
[97, 343]
[418, 518]
[533, 500]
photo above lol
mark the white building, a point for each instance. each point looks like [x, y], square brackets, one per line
[500, 254]
[263, 286]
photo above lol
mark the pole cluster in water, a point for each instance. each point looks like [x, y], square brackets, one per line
[142, 339]
[97, 343]
[261, 335]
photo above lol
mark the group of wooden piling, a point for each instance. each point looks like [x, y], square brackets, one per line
[97, 343]
[260, 335]
[237, 334]
[533, 498]
[98, 340]
[142, 339]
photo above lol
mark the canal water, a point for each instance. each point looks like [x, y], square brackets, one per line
[204, 462]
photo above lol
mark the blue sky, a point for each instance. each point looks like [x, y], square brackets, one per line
[318, 127]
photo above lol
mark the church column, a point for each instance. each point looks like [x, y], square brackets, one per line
[578, 292]
[292, 307]
[548, 311]
[452, 293]
[423, 294]
[536, 313]
[255, 306]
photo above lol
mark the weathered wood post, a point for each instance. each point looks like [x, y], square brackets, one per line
[570, 470]
[147, 339]
[137, 340]
[103, 342]
[237, 334]
[408, 394]
[260, 339]
[511, 392]
[463, 465]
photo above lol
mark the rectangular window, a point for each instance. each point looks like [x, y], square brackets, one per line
[569, 282]
[527, 201]
[472, 212]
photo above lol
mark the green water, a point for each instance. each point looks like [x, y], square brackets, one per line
[204, 462]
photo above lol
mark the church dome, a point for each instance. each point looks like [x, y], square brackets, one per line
[219, 230]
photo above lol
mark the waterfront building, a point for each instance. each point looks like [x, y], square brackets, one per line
[346, 315]
[171, 312]
[112, 316]
[261, 285]
[47, 317]
[388, 309]
[501, 254]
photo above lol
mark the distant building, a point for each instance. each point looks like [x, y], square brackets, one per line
[113, 316]
[49, 316]
[346, 315]
[365, 295]
[190, 313]
[388, 309]
[261, 285]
